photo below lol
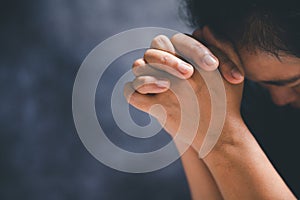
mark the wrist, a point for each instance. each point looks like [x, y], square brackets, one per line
[231, 134]
[235, 136]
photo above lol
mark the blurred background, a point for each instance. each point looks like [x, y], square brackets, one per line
[42, 46]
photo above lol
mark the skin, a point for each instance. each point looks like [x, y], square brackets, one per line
[280, 77]
[236, 168]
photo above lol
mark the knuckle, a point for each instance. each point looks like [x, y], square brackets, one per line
[147, 53]
[132, 99]
[176, 36]
[158, 41]
[155, 43]
[168, 61]
[140, 81]
[136, 71]
[141, 90]
[137, 63]
[150, 55]
[164, 60]
[197, 49]
[175, 65]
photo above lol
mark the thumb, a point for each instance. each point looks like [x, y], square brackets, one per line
[230, 64]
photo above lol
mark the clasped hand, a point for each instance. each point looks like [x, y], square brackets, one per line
[168, 75]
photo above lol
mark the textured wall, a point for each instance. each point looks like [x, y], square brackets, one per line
[42, 45]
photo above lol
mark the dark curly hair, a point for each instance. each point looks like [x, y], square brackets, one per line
[273, 27]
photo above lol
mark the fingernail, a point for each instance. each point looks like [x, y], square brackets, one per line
[210, 61]
[236, 74]
[162, 84]
[184, 68]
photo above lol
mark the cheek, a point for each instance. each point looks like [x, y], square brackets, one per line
[282, 96]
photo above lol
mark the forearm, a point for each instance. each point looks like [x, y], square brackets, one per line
[241, 169]
[201, 183]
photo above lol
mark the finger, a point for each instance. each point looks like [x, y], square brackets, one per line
[147, 70]
[150, 85]
[227, 67]
[137, 100]
[138, 62]
[163, 43]
[192, 50]
[169, 63]
[140, 68]
[232, 73]
[229, 70]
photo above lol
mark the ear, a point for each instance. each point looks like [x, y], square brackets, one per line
[235, 74]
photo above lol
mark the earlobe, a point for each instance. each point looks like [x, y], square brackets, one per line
[230, 72]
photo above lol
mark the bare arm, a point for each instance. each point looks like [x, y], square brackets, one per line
[201, 183]
[237, 163]
[239, 166]
[241, 169]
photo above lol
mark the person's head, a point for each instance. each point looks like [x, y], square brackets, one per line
[266, 36]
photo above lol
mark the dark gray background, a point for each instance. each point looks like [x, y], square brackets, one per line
[42, 45]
